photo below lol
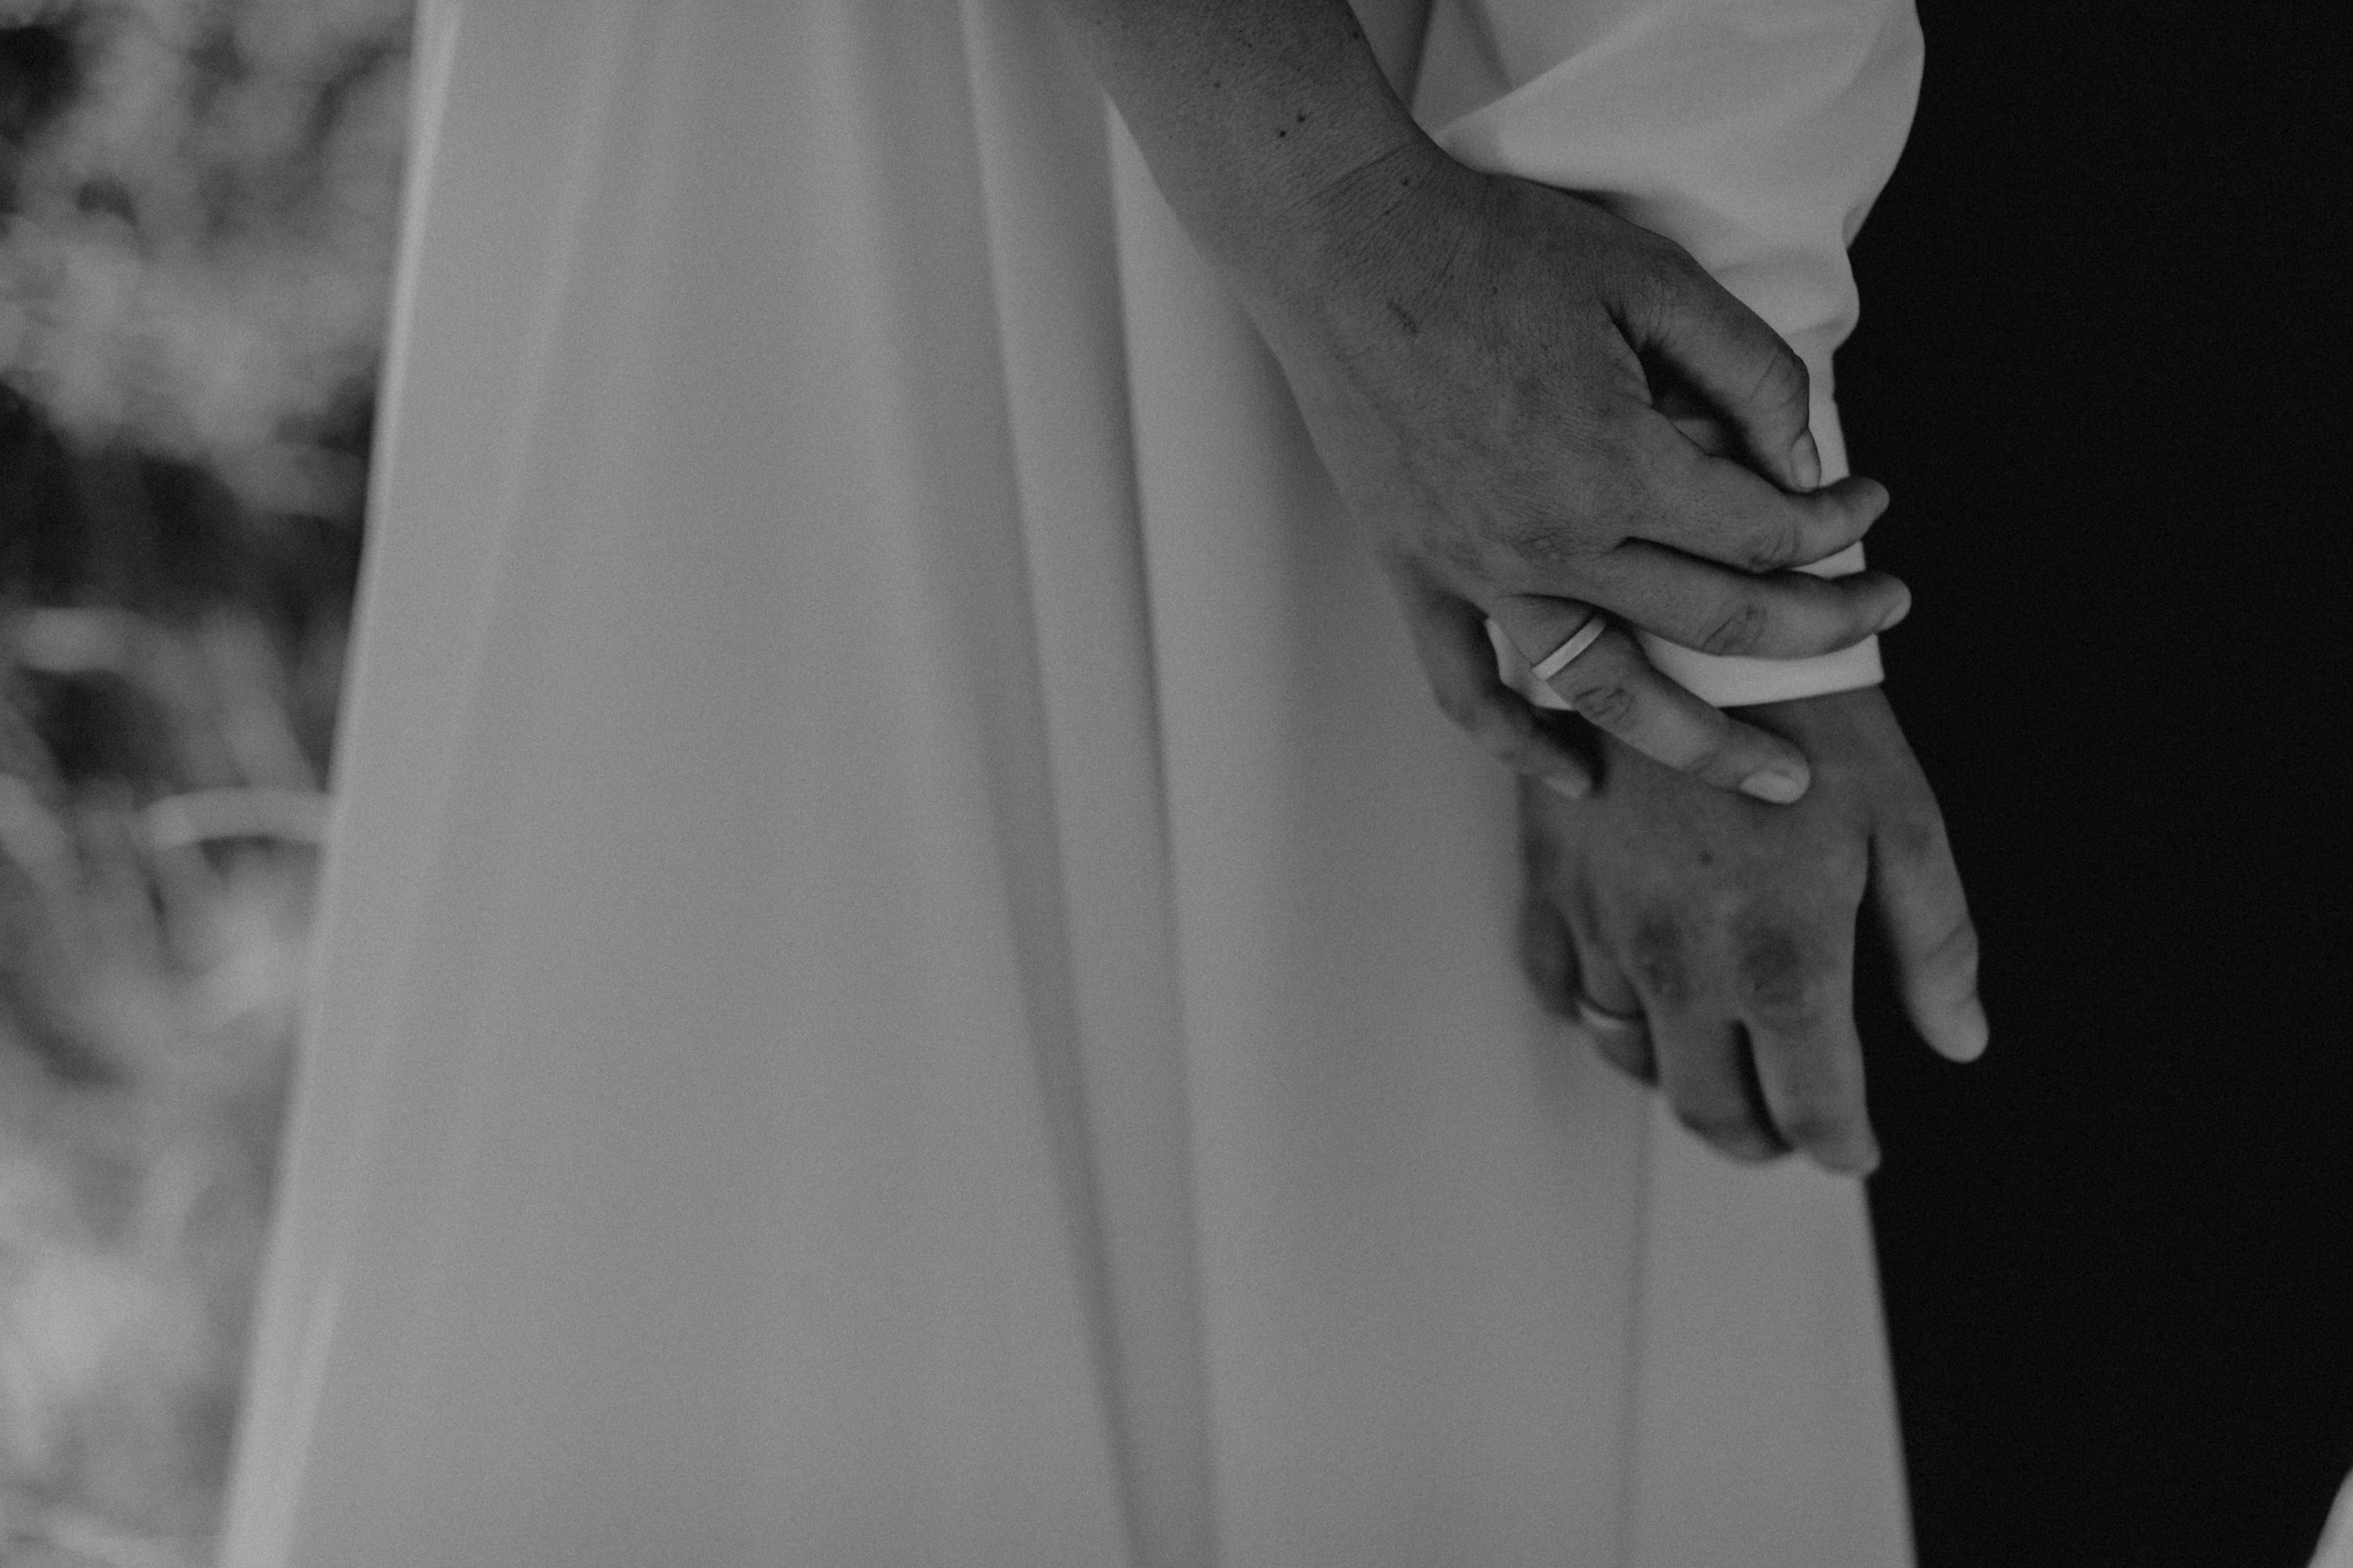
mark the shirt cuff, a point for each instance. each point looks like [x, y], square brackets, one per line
[1725, 682]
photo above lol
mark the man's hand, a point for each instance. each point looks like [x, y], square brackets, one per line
[1730, 927]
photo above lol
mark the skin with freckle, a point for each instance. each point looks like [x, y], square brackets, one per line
[1731, 925]
[1484, 365]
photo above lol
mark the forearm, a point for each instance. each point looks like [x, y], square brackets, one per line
[1267, 123]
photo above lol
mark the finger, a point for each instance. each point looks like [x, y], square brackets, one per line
[1605, 1004]
[1543, 628]
[1696, 421]
[1546, 956]
[1450, 637]
[1916, 889]
[1611, 1014]
[1710, 505]
[1615, 688]
[1702, 1071]
[1573, 977]
[1732, 360]
[1716, 610]
[1796, 995]
[1704, 1074]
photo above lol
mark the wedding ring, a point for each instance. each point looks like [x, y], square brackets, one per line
[1561, 658]
[1599, 1020]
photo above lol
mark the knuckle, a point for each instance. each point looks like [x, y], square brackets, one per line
[1776, 550]
[1665, 273]
[1778, 981]
[1543, 555]
[1917, 838]
[1609, 704]
[1656, 956]
[1739, 632]
[1784, 378]
[1563, 532]
[1532, 538]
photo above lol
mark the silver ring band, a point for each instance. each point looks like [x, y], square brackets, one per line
[1599, 1020]
[1561, 658]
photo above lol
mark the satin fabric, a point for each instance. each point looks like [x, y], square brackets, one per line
[908, 974]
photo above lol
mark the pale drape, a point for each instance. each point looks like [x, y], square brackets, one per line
[2335, 1548]
[909, 974]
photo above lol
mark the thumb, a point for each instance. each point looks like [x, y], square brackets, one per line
[1725, 352]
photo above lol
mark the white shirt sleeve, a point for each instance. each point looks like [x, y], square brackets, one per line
[1756, 133]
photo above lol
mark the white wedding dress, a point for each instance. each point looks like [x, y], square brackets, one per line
[909, 974]
[2335, 1548]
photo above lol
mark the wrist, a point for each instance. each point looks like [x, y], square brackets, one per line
[1381, 234]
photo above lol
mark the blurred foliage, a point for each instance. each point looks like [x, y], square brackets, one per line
[168, 678]
[170, 663]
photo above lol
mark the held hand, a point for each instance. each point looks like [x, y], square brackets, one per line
[1490, 368]
[1729, 929]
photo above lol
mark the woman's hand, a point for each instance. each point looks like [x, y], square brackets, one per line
[1730, 928]
[1482, 362]
[1505, 382]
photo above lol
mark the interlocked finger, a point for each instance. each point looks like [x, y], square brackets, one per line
[1610, 1014]
[1703, 1068]
[1705, 1073]
[1547, 957]
[1457, 656]
[1794, 989]
[1720, 610]
[1614, 686]
[1714, 507]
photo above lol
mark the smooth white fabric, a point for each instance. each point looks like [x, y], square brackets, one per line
[908, 974]
[2335, 1548]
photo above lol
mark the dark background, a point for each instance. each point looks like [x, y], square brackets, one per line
[2101, 369]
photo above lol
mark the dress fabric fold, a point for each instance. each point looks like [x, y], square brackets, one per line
[908, 973]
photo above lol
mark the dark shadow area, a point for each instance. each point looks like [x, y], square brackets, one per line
[2100, 366]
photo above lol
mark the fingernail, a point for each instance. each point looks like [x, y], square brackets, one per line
[1807, 458]
[1903, 608]
[1777, 787]
[1566, 787]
